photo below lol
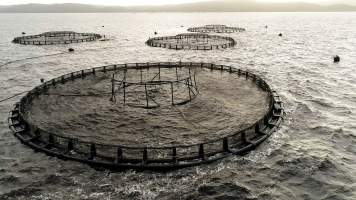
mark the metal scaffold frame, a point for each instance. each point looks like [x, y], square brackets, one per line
[123, 86]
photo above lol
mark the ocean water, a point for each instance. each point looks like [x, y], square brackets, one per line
[313, 155]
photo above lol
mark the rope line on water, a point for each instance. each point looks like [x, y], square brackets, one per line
[48, 55]
[13, 96]
[29, 58]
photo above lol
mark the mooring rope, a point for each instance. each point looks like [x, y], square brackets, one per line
[13, 96]
[48, 55]
[29, 58]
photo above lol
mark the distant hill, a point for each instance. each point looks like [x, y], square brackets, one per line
[209, 6]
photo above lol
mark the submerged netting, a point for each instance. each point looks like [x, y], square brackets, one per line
[57, 37]
[194, 41]
[216, 29]
[74, 116]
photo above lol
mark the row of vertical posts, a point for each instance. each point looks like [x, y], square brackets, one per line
[53, 42]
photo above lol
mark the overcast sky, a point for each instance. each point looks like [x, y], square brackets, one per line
[146, 2]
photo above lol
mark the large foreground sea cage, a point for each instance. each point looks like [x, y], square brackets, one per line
[216, 28]
[57, 37]
[193, 41]
[145, 157]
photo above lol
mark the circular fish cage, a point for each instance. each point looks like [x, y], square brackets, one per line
[216, 29]
[193, 41]
[57, 37]
[157, 116]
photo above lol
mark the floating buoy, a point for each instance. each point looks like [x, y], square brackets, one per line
[280, 35]
[71, 50]
[155, 33]
[23, 33]
[336, 59]
[42, 80]
[102, 26]
[266, 26]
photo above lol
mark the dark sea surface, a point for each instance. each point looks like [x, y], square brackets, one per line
[312, 156]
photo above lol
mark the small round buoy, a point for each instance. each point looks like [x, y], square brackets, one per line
[280, 35]
[102, 26]
[336, 59]
[23, 33]
[42, 80]
[266, 26]
[155, 33]
[71, 50]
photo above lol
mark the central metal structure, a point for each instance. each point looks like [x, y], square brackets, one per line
[153, 86]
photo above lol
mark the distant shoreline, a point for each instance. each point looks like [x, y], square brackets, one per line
[209, 6]
[180, 12]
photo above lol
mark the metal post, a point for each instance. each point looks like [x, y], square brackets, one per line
[172, 93]
[195, 83]
[177, 73]
[70, 145]
[141, 74]
[188, 84]
[258, 130]
[113, 97]
[201, 152]
[146, 95]
[243, 137]
[144, 156]
[225, 145]
[118, 155]
[92, 153]
[124, 85]
[174, 155]
[50, 139]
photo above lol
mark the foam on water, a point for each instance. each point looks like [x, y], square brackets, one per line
[312, 157]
